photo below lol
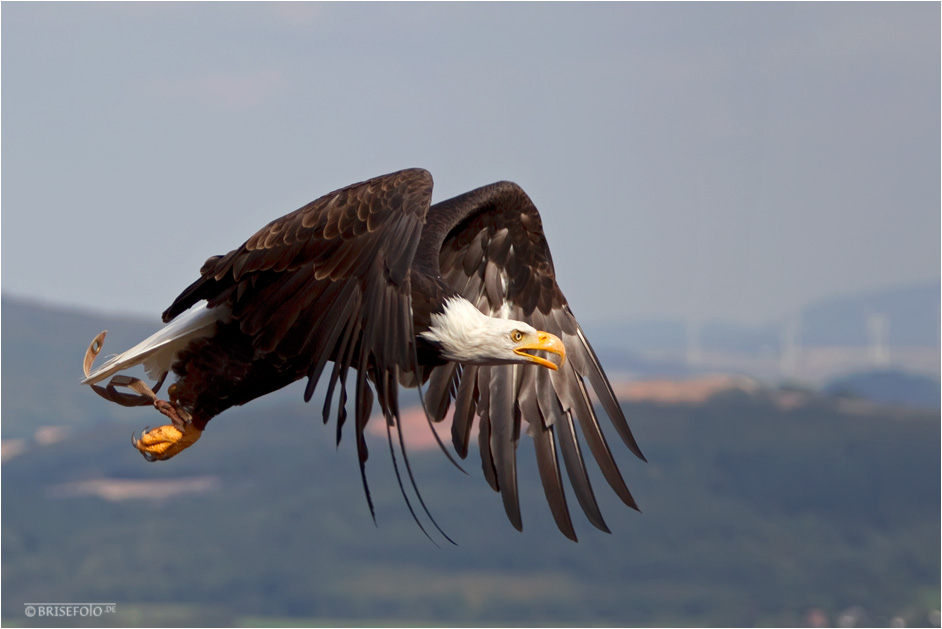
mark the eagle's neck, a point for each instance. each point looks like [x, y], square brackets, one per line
[462, 332]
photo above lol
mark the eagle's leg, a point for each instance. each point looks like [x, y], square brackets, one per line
[164, 442]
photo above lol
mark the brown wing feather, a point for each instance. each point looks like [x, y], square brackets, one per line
[491, 249]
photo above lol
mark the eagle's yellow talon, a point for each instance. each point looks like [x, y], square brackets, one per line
[165, 442]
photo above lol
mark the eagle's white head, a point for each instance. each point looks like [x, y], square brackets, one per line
[467, 335]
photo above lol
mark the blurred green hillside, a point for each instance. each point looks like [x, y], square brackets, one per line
[752, 516]
[756, 513]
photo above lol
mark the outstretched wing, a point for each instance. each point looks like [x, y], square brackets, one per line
[494, 253]
[330, 282]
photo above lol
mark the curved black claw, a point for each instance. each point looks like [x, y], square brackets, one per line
[149, 457]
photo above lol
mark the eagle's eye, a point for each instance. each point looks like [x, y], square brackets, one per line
[517, 336]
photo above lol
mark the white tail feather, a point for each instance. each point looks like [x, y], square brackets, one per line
[158, 351]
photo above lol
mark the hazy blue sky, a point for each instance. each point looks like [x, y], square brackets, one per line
[724, 160]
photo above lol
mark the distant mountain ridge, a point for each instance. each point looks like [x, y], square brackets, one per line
[889, 387]
[44, 345]
[912, 313]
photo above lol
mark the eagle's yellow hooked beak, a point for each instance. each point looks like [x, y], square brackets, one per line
[542, 342]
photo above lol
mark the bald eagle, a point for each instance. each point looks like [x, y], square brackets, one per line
[458, 298]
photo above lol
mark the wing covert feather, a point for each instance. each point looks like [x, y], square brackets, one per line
[323, 283]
